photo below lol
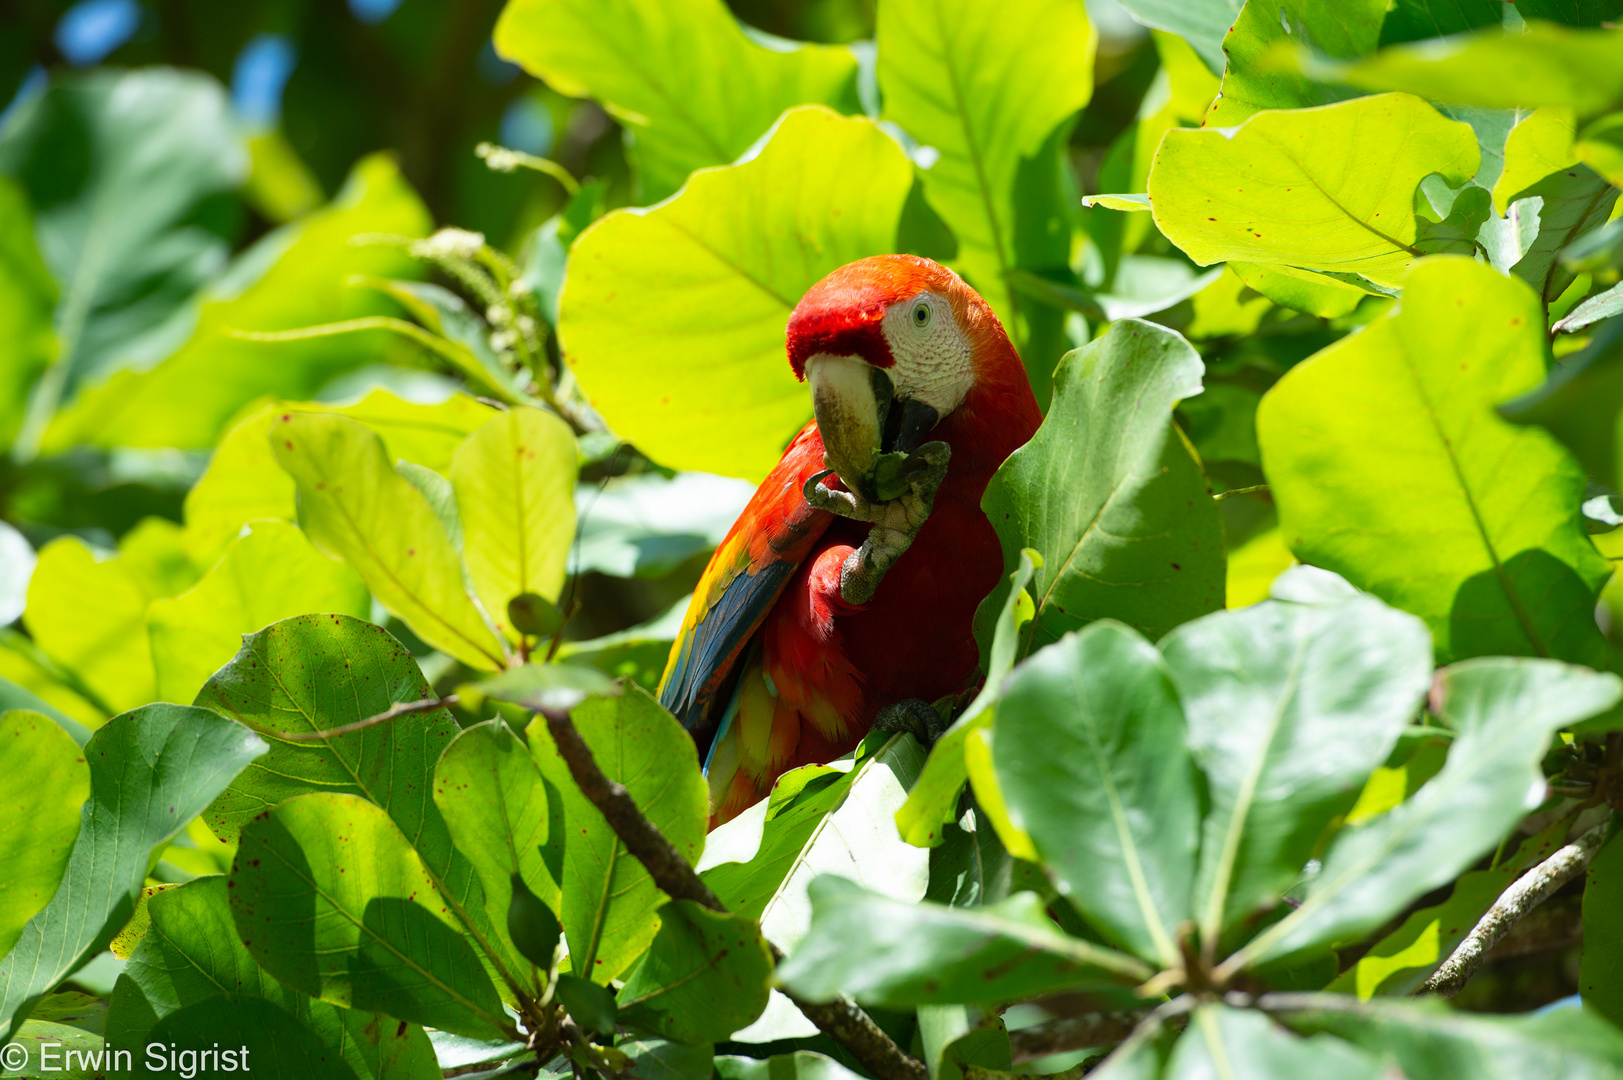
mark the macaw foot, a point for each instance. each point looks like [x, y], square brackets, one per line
[895, 522]
[912, 715]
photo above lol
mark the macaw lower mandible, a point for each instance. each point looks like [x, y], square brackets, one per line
[847, 587]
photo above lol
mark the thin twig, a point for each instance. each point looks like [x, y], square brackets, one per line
[1252, 490]
[1530, 890]
[841, 1019]
[405, 708]
[1065, 1033]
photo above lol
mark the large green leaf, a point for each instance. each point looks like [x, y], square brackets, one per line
[319, 672]
[330, 899]
[1224, 1042]
[1109, 493]
[515, 488]
[693, 295]
[1478, 531]
[27, 298]
[354, 506]
[151, 771]
[1545, 64]
[243, 482]
[1572, 202]
[1091, 759]
[1601, 975]
[705, 976]
[837, 819]
[270, 573]
[609, 901]
[690, 87]
[297, 276]
[1328, 189]
[1430, 1042]
[191, 953]
[491, 795]
[1290, 707]
[932, 804]
[884, 952]
[986, 85]
[64, 1038]
[114, 162]
[1505, 711]
[1254, 79]
[49, 785]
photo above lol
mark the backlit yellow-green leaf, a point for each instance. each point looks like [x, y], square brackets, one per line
[48, 782]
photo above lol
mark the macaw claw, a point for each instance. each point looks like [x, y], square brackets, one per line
[894, 522]
[913, 715]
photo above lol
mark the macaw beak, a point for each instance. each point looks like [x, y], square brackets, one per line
[861, 420]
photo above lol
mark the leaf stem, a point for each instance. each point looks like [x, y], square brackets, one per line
[405, 708]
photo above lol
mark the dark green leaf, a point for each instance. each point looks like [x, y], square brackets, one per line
[1601, 976]
[1223, 1042]
[1109, 494]
[533, 614]
[252, 1034]
[884, 952]
[1090, 756]
[588, 1004]
[1291, 707]
[531, 925]
[705, 976]
[1574, 201]
[330, 899]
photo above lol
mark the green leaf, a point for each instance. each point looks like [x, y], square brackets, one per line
[268, 574]
[1300, 289]
[898, 955]
[1328, 189]
[1478, 531]
[1110, 494]
[1543, 65]
[547, 687]
[1539, 144]
[705, 976]
[330, 899]
[819, 819]
[591, 1006]
[1201, 23]
[1090, 758]
[1290, 708]
[1255, 79]
[1430, 1042]
[1600, 976]
[27, 299]
[1504, 711]
[491, 796]
[932, 804]
[656, 1059]
[354, 506]
[151, 771]
[256, 1035]
[693, 295]
[1223, 1041]
[192, 953]
[1574, 201]
[515, 490]
[243, 481]
[1399, 963]
[49, 784]
[609, 901]
[1600, 306]
[63, 1038]
[293, 278]
[987, 86]
[1600, 146]
[532, 926]
[800, 1065]
[689, 86]
[114, 162]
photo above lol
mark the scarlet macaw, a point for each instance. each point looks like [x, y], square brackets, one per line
[832, 600]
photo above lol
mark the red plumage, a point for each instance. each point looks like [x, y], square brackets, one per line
[770, 651]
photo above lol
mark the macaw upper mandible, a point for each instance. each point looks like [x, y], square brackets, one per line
[832, 600]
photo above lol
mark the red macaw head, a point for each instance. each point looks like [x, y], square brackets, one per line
[892, 345]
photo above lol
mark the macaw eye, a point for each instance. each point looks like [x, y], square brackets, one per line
[921, 314]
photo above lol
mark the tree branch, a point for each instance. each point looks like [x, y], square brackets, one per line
[405, 708]
[1530, 890]
[1064, 1033]
[841, 1019]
